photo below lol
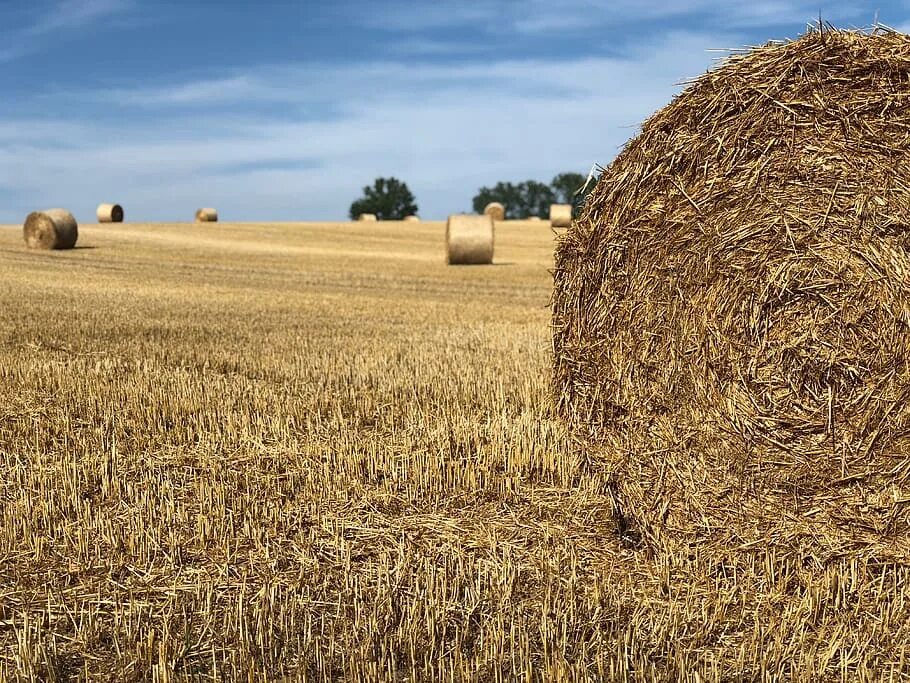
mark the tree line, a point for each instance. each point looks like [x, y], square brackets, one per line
[390, 198]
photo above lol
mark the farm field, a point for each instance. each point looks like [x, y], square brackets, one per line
[314, 451]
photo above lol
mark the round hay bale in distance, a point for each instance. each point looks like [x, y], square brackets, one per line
[206, 216]
[469, 240]
[560, 215]
[412, 219]
[533, 218]
[50, 229]
[367, 218]
[730, 318]
[496, 211]
[109, 213]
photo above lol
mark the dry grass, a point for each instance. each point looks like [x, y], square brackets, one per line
[315, 451]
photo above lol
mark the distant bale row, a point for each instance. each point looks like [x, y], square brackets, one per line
[372, 217]
[560, 214]
[469, 239]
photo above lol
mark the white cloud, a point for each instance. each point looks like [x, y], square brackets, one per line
[206, 92]
[71, 14]
[546, 18]
[53, 19]
[299, 141]
[444, 129]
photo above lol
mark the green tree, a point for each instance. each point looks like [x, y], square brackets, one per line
[389, 199]
[536, 198]
[570, 189]
[504, 193]
[530, 198]
[566, 186]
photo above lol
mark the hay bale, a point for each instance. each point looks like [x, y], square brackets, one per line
[560, 215]
[412, 219]
[469, 239]
[367, 217]
[533, 218]
[206, 216]
[731, 318]
[109, 213]
[50, 229]
[495, 210]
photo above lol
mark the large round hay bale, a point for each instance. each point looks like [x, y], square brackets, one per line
[412, 219]
[732, 309]
[206, 216]
[109, 213]
[50, 229]
[469, 240]
[367, 217]
[495, 210]
[560, 215]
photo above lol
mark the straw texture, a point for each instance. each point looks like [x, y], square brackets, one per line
[469, 240]
[412, 219]
[206, 216]
[109, 213]
[560, 215]
[50, 229]
[495, 210]
[732, 309]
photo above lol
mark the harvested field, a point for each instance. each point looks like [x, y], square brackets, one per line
[316, 451]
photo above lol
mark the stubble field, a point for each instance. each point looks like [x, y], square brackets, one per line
[314, 451]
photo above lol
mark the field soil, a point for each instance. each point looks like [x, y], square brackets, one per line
[313, 451]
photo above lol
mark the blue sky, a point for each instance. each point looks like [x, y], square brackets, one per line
[284, 110]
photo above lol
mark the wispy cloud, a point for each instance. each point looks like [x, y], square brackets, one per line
[446, 129]
[445, 110]
[71, 14]
[43, 20]
[209, 93]
[544, 17]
